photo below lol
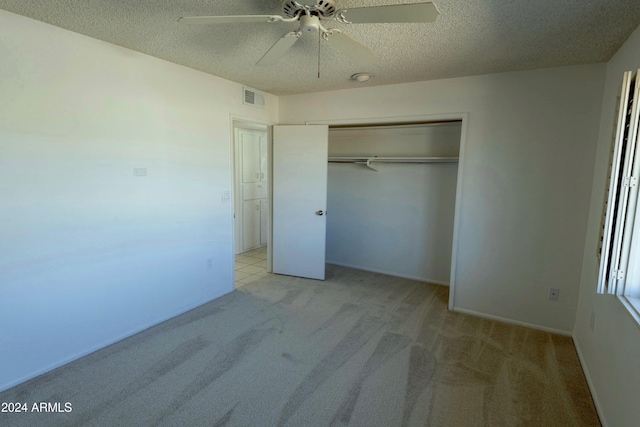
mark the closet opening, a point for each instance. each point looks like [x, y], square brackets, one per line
[391, 198]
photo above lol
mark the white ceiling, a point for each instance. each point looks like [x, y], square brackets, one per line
[469, 37]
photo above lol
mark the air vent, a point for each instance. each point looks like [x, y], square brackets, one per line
[252, 97]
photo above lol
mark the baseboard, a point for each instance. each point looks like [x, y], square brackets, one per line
[107, 343]
[389, 273]
[592, 389]
[512, 322]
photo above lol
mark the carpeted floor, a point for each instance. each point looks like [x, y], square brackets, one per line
[359, 349]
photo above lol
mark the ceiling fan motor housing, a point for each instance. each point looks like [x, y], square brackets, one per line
[309, 23]
[324, 9]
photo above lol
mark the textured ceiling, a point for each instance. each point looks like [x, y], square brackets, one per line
[469, 37]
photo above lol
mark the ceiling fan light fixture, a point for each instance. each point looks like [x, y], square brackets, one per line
[361, 77]
[310, 16]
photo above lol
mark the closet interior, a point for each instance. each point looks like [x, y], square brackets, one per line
[391, 198]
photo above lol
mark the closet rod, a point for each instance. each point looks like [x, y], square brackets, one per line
[367, 161]
[393, 125]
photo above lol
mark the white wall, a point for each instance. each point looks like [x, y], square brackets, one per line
[88, 252]
[527, 170]
[396, 221]
[611, 352]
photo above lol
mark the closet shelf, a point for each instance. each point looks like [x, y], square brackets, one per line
[367, 161]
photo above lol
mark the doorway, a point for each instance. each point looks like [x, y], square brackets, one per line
[251, 192]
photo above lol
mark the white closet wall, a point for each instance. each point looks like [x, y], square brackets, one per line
[397, 220]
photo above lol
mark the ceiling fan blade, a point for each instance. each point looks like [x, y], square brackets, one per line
[415, 12]
[231, 19]
[279, 49]
[359, 54]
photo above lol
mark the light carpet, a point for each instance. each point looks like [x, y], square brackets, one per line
[359, 349]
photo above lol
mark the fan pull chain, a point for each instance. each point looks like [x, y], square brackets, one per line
[319, 53]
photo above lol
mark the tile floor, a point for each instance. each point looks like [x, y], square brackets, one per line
[251, 266]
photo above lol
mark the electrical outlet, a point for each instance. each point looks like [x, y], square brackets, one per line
[592, 322]
[554, 294]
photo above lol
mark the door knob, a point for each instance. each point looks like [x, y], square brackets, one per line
[319, 213]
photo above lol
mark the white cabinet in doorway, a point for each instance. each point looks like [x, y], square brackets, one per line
[255, 223]
[254, 157]
[251, 188]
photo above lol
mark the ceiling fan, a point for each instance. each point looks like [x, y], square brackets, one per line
[311, 15]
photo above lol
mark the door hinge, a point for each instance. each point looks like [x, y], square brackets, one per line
[630, 181]
[617, 274]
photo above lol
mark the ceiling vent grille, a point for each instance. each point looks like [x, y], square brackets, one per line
[252, 97]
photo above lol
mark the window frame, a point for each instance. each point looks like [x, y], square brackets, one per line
[619, 248]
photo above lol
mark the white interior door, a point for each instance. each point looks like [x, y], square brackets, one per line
[300, 200]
